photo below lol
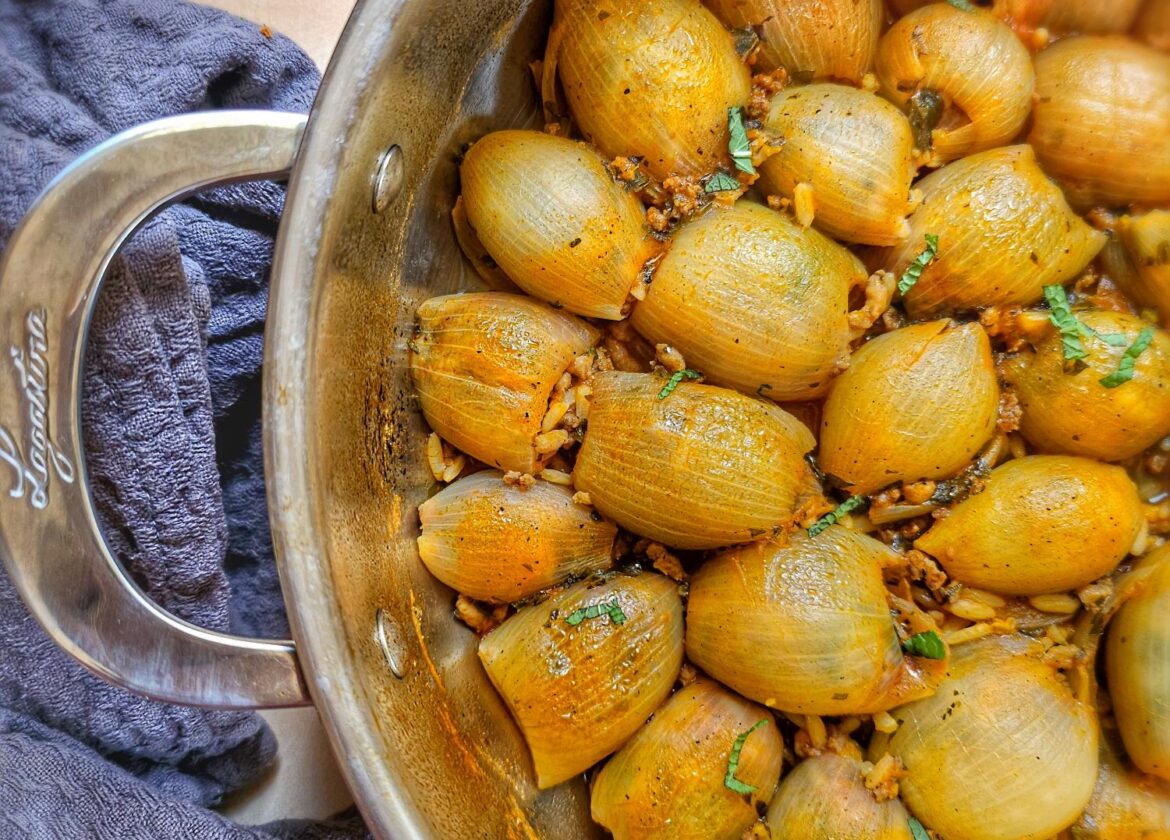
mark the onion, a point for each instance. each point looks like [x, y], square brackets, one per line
[1073, 412]
[1101, 123]
[699, 468]
[484, 366]
[1146, 239]
[1004, 232]
[498, 543]
[1125, 804]
[825, 798]
[918, 402]
[1137, 665]
[653, 80]
[668, 780]
[1044, 523]
[811, 39]
[553, 218]
[1002, 751]
[1092, 16]
[804, 628]
[854, 149]
[754, 301]
[974, 62]
[1153, 24]
[579, 690]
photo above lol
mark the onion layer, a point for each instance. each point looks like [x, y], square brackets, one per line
[555, 221]
[1002, 751]
[668, 780]
[754, 301]
[649, 79]
[1004, 232]
[811, 39]
[915, 403]
[1101, 123]
[699, 468]
[580, 690]
[975, 63]
[1137, 660]
[825, 798]
[484, 366]
[1146, 238]
[496, 542]
[1073, 412]
[804, 628]
[854, 149]
[1044, 523]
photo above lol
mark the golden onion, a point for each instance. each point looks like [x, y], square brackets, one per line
[975, 63]
[1146, 238]
[1089, 17]
[915, 403]
[1101, 122]
[668, 780]
[554, 219]
[811, 39]
[754, 301]
[1071, 411]
[1002, 751]
[1044, 523]
[652, 80]
[580, 682]
[854, 150]
[1024, 15]
[699, 468]
[1137, 663]
[1153, 24]
[1004, 232]
[499, 543]
[1126, 804]
[484, 366]
[804, 628]
[825, 798]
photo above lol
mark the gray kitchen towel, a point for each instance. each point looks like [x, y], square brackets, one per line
[170, 413]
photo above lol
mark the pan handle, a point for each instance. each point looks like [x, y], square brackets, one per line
[49, 536]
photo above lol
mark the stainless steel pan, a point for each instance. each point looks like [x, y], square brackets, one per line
[427, 746]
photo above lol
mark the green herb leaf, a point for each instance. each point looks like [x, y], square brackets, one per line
[925, 111]
[721, 182]
[738, 145]
[1063, 319]
[729, 780]
[850, 504]
[675, 378]
[962, 5]
[917, 831]
[928, 645]
[910, 277]
[1124, 371]
[1112, 339]
[609, 608]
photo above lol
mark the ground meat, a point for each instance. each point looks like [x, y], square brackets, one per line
[1008, 418]
[482, 618]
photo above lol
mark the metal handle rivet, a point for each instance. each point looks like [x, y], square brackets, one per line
[389, 178]
[390, 640]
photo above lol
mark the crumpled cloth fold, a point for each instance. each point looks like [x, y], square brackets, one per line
[171, 419]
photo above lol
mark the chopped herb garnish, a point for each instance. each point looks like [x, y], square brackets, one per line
[675, 378]
[910, 277]
[962, 5]
[1124, 371]
[926, 109]
[1063, 319]
[917, 831]
[928, 645]
[611, 608]
[847, 506]
[738, 145]
[721, 182]
[729, 781]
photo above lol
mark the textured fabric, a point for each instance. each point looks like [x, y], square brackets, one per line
[171, 416]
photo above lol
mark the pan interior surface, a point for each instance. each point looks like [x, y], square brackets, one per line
[426, 743]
